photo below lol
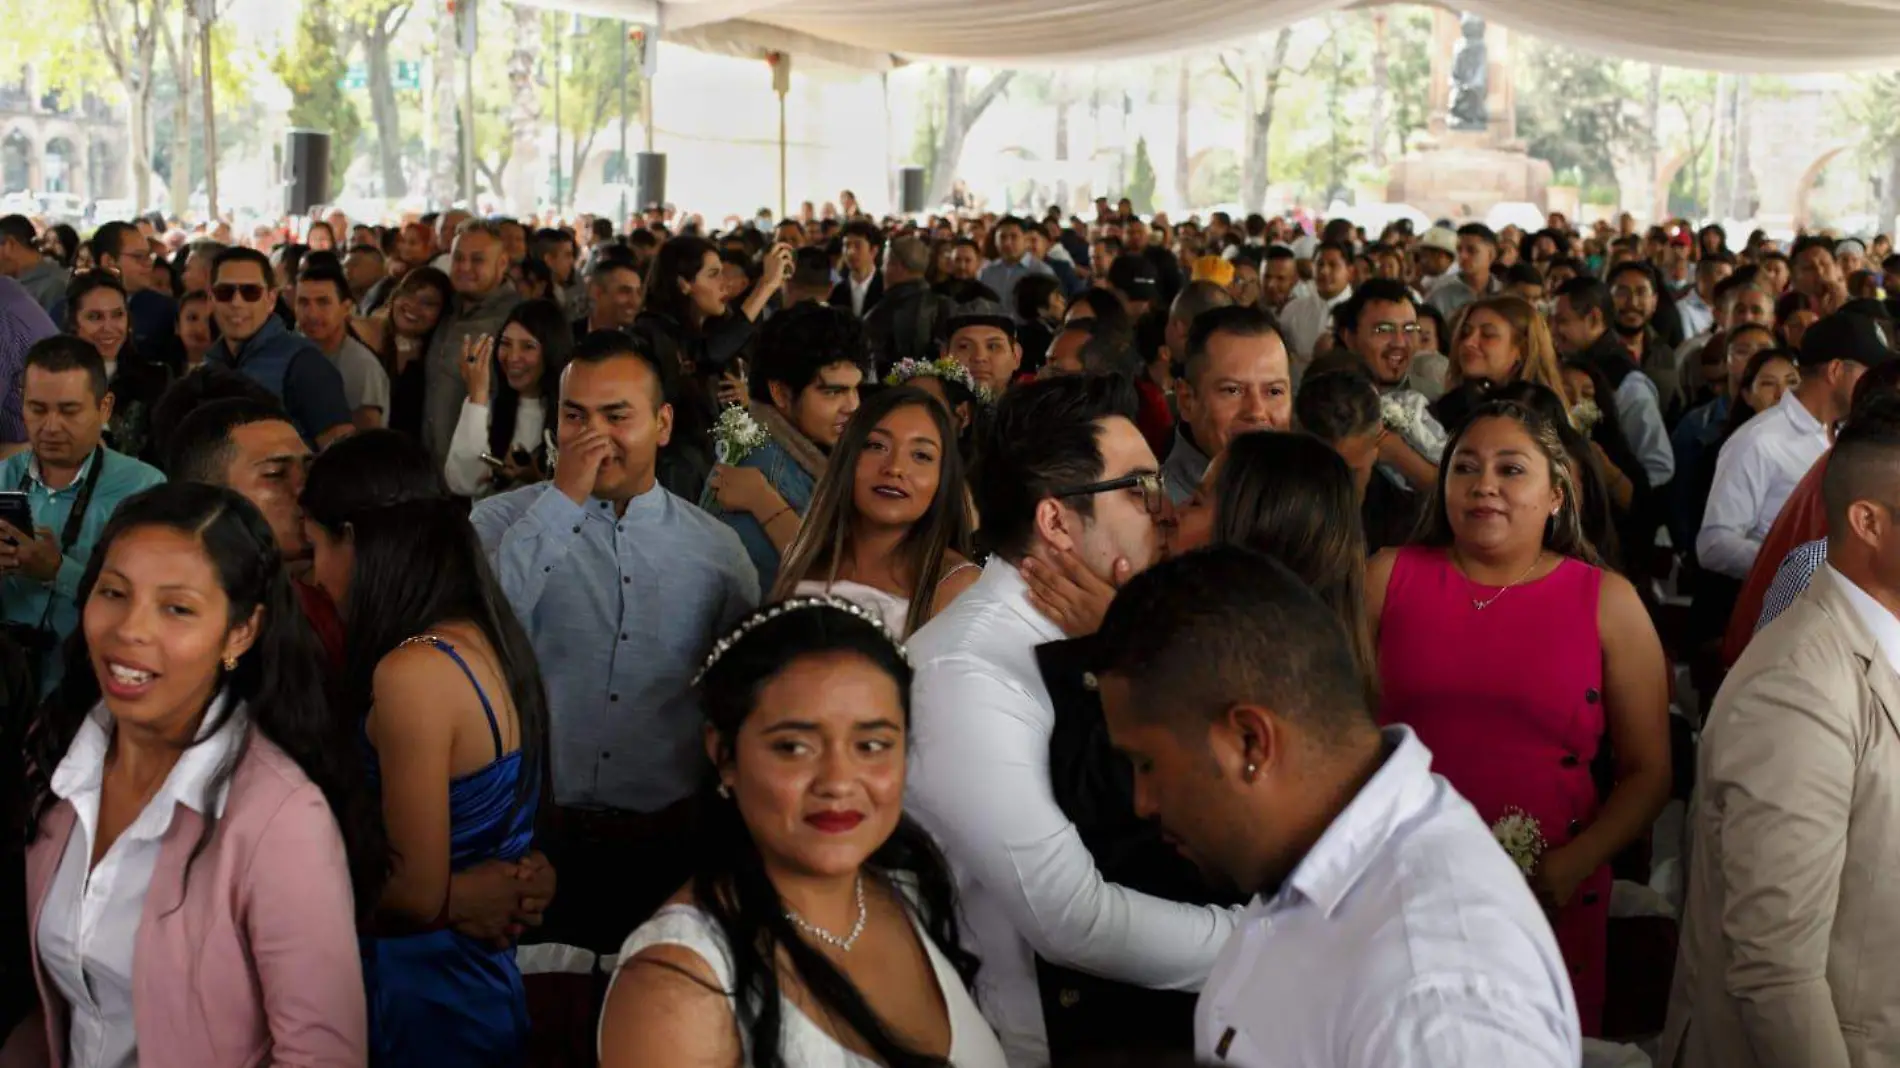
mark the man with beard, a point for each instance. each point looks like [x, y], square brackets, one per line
[1638, 293]
[1380, 326]
[1581, 325]
[1234, 692]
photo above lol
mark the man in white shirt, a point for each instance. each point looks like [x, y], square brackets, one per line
[1581, 324]
[323, 303]
[1067, 475]
[862, 285]
[1306, 318]
[1762, 463]
[1234, 692]
[1013, 262]
[1697, 309]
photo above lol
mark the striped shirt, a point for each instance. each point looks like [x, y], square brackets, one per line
[1791, 579]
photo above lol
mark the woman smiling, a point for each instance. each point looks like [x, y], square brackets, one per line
[511, 378]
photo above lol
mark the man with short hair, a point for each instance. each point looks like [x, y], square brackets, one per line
[323, 315]
[363, 268]
[1066, 475]
[1379, 325]
[1235, 693]
[1279, 277]
[910, 321]
[622, 588]
[22, 261]
[1013, 262]
[1795, 772]
[1697, 309]
[1133, 279]
[1637, 290]
[1307, 317]
[73, 483]
[1816, 274]
[255, 341]
[862, 285]
[557, 249]
[1237, 379]
[1477, 253]
[966, 260]
[983, 339]
[1582, 324]
[1342, 409]
[805, 377]
[119, 248]
[617, 293]
[483, 299]
[1760, 465]
[447, 225]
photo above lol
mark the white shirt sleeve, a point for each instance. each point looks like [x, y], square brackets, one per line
[980, 785]
[464, 471]
[1641, 417]
[1453, 1021]
[1726, 544]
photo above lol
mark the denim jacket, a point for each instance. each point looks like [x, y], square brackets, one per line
[790, 481]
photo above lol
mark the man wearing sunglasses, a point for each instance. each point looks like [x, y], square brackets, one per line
[256, 342]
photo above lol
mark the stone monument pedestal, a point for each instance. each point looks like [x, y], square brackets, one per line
[1468, 165]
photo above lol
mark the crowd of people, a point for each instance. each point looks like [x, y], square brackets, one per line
[960, 641]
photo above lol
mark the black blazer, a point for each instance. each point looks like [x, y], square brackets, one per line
[1087, 1015]
[841, 293]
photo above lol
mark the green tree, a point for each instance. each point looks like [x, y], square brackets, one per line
[590, 76]
[312, 68]
[1141, 179]
[374, 24]
[961, 109]
[1576, 110]
[1874, 108]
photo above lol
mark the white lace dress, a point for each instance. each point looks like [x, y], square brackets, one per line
[805, 1044]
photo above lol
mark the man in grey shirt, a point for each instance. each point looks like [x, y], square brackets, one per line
[623, 589]
[323, 315]
[21, 260]
[483, 298]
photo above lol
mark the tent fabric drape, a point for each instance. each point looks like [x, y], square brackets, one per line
[1760, 36]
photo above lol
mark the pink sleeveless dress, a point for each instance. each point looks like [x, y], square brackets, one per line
[1509, 699]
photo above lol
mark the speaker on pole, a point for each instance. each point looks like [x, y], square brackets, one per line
[649, 182]
[911, 202]
[306, 170]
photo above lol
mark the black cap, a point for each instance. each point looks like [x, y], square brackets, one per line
[1846, 335]
[1134, 277]
[982, 313]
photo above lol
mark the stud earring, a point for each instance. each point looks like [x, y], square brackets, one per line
[1252, 770]
[725, 791]
[230, 663]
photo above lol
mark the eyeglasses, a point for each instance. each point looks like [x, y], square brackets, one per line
[227, 292]
[1153, 486]
[1386, 330]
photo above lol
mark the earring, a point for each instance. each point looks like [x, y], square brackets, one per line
[1252, 770]
[230, 663]
[725, 792]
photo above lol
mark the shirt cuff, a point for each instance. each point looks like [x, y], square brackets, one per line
[557, 513]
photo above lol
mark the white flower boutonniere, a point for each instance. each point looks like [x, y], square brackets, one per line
[735, 435]
[1399, 417]
[1523, 840]
[1586, 415]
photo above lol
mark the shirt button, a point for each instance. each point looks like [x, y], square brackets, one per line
[1569, 760]
[613, 697]
[1575, 827]
[627, 579]
[577, 529]
[606, 755]
[1591, 695]
[548, 570]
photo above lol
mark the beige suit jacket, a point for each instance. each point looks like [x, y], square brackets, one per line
[1790, 952]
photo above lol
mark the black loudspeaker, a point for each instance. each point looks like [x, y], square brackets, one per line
[306, 170]
[911, 202]
[649, 179]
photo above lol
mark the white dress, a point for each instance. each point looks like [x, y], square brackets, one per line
[892, 609]
[805, 1044]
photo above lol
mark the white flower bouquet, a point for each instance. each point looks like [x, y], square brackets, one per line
[1523, 840]
[1398, 417]
[1586, 415]
[736, 435]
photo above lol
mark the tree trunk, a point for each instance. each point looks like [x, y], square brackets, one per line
[960, 114]
[179, 185]
[1720, 189]
[1063, 104]
[382, 105]
[1263, 85]
[524, 112]
[1889, 191]
[1183, 89]
[1381, 89]
[1743, 197]
[1652, 114]
[445, 170]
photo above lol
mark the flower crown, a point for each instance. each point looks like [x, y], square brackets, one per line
[797, 604]
[943, 367]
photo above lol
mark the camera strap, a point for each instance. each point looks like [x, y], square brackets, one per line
[75, 519]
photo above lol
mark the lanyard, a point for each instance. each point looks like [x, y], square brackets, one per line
[75, 519]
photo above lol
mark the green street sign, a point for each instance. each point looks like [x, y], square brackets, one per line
[408, 74]
[355, 78]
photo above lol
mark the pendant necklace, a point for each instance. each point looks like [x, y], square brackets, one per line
[844, 943]
[1483, 603]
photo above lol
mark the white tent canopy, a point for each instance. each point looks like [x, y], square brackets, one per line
[1763, 36]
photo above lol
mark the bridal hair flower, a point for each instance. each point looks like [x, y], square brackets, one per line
[735, 435]
[943, 367]
[797, 604]
[1523, 840]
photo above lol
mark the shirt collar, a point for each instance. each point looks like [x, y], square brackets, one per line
[1003, 582]
[1881, 623]
[33, 472]
[1798, 414]
[1357, 836]
[82, 770]
[648, 505]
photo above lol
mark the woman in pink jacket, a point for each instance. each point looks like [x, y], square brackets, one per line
[188, 893]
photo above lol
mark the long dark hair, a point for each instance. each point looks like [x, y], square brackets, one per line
[551, 329]
[1563, 532]
[732, 885]
[417, 278]
[1596, 510]
[1292, 497]
[417, 564]
[279, 680]
[824, 539]
[1739, 410]
[678, 260]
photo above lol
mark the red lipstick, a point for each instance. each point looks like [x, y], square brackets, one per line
[835, 822]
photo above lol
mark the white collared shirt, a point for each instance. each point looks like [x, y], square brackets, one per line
[1754, 476]
[1306, 318]
[979, 783]
[1880, 622]
[1406, 938]
[859, 290]
[88, 927]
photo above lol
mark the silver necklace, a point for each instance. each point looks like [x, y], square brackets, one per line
[1482, 604]
[845, 943]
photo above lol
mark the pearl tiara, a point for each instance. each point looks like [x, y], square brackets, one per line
[797, 604]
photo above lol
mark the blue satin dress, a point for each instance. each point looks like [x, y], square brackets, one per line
[440, 998]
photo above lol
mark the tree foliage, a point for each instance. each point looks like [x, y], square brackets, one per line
[1141, 179]
[1576, 110]
[312, 68]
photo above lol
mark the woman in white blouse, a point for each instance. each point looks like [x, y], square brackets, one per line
[498, 440]
[888, 528]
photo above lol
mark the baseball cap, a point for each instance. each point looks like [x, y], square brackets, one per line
[1134, 276]
[983, 312]
[1213, 269]
[1847, 335]
[1442, 238]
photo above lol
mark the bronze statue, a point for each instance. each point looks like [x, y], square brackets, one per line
[1470, 78]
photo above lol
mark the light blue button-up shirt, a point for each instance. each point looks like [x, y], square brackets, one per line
[1405, 938]
[622, 611]
[24, 600]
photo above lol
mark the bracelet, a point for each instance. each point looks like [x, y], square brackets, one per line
[774, 516]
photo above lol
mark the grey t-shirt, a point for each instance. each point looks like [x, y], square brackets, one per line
[365, 383]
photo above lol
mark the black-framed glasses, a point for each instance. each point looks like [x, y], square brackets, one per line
[1153, 486]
